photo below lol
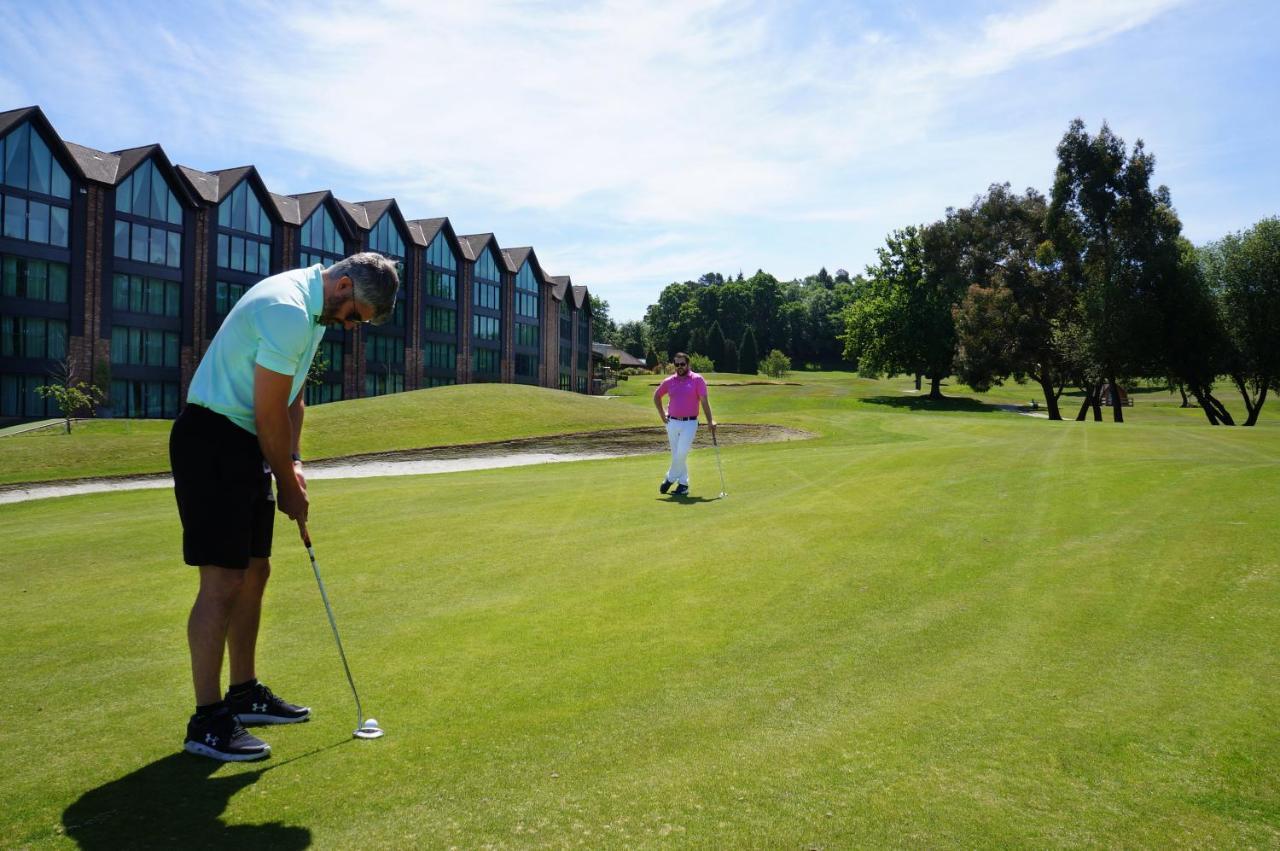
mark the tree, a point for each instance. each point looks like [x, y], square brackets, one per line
[1244, 271]
[71, 396]
[729, 363]
[715, 345]
[1196, 349]
[748, 360]
[1006, 324]
[316, 372]
[1118, 240]
[776, 364]
[903, 323]
[651, 358]
[602, 327]
[632, 337]
[700, 363]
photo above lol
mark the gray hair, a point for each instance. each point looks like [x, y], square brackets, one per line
[375, 279]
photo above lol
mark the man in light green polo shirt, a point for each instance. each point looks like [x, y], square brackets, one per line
[241, 426]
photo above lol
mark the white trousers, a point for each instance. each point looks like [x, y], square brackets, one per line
[680, 434]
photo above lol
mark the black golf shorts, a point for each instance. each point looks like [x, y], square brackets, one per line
[223, 490]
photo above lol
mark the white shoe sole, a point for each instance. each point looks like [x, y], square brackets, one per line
[204, 750]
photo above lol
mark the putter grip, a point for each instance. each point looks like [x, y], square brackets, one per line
[306, 538]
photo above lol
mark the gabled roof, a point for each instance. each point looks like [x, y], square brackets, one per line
[604, 350]
[14, 117]
[131, 158]
[580, 297]
[287, 208]
[428, 228]
[517, 256]
[202, 183]
[229, 179]
[375, 209]
[474, 244]
[559, 284]
[98, 166]
[357, 214]
[308, 201]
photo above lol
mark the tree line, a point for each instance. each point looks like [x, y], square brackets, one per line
[1092, 288]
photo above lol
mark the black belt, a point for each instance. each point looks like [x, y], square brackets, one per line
[686, 419]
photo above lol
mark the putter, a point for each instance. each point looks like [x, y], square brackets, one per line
[366, 728]
[719, 466]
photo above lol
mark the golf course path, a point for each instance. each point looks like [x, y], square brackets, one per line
[579, 446]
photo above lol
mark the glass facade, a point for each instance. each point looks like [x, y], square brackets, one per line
[148, 219]
[439, 312]
[35, 191]
[384, 350]
[319, 240]
[244, 233]
[35, 309]
[486, 318]
[527, 321]
[37, 280]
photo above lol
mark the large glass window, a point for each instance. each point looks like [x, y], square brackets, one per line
[146, 194]
[381, 382]
[33, 337]
[487, 284]
[566, 320]
[440, 269]
[440, 356]
[526, 335]
[320, 239]
[385, 239]
[226, 294]
[152, 296]
[143, 347]
[485, 328]
[527, 293]
[244, 232]
[526, 365]
[440, 320]
[19, 396]
[148, 226]
[149, 399]
[39, 280]
[486, 361]
[35, 203]
[382, 349]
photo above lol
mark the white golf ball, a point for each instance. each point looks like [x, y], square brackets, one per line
[370, 722]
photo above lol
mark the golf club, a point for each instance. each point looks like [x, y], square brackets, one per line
[366, 728]
[719, 466]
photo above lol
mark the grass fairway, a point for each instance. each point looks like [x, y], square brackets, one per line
[948, 626]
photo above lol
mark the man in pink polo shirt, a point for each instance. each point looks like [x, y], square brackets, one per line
[685, 389]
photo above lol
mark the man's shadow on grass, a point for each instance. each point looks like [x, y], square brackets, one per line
[687, 500]
[175, 802]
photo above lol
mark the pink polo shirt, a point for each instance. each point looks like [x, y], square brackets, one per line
[684, 392]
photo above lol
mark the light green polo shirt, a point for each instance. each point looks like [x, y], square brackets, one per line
[274, 325]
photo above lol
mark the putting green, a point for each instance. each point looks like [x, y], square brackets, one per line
[948, 626]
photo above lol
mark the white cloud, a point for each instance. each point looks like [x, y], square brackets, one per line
[721, 120]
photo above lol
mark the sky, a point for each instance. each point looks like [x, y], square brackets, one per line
[633, 144]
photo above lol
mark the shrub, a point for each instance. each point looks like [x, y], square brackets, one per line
[775, 364]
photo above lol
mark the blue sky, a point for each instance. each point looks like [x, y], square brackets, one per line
[637, 143]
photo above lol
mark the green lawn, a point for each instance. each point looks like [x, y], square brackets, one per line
[929, 626]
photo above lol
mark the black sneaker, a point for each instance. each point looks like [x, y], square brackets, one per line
[221, 736]
[258, 705]
[682, 490]
[665, 486]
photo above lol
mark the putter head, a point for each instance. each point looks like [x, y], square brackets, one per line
[368, 730]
